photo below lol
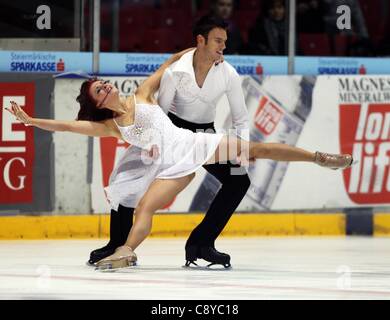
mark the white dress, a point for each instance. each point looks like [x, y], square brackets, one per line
[181, 152]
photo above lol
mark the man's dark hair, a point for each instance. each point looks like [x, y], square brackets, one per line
[207, 23]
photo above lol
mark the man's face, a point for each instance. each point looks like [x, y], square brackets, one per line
[224, 9]
[216, 43]
[277, 12]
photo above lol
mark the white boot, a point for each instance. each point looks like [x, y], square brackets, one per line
[333, 161]
[123, 257]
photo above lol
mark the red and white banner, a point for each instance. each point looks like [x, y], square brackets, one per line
[16, 145]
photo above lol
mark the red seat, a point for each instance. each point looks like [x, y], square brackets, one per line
[205, 5]
[245, 20]
[374, 18]
[199, 14]
[340, 45]
[105, 14]
[314, 44]
[105, 26]
[160, 41]
[182, 5]
[133, 22]
[250, 5]
[187, 39]
[174, 19]
[137, 17]
[131, 42]
[105, 45]
[137, 3]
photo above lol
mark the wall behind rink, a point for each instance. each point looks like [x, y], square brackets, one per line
[328, 113]
[73, 195]
[26, 154]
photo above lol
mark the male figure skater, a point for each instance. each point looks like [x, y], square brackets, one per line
[189, 91]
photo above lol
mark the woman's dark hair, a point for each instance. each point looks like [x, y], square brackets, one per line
[88, 110]
[207, 23]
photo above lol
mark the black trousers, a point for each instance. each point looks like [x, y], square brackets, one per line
[232, 191]
[121, 222]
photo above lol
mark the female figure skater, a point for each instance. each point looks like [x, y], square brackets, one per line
[177, 153]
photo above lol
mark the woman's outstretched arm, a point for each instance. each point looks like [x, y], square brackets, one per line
[89, 128]
[151, 85]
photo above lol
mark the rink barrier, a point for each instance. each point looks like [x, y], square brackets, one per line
[180, 225]
[359, 221]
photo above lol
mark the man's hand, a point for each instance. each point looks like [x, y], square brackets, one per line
[19, 113]
[243, 160]
[178, 55]
[153, 152]
[220, 60]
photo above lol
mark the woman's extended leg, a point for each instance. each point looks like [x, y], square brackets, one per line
[159, 193]
[231, 148]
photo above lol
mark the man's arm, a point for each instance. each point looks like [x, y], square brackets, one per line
[149, 87]
[240, 118]
[167, 91]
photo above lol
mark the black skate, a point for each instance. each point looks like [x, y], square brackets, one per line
[99, 254]
[209, 254]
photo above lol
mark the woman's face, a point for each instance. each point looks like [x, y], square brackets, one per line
[104, 93]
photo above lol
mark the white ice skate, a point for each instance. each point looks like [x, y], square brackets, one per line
[333, 161]
[123, 257]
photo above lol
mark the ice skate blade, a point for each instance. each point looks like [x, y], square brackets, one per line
[112, 265]
[210, 267]
[354, 162]
[90, 264]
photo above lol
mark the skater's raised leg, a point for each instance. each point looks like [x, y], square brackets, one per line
[232, 148]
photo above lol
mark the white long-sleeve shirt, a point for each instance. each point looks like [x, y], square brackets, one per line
[180, 94]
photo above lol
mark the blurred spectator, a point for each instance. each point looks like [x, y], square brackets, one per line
[223, 9]
[310, 16]
[363, 47]
[384, 45]
[269, 34]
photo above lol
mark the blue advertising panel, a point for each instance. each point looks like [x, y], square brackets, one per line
[339, 65]
[138, 64]
[45, 61]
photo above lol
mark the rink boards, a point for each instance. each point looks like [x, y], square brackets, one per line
[180, 225]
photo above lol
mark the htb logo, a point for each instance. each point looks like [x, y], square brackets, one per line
[60, 66]
[111, 150]
[267, 116]
[364, 132]
[259, 69]
[16, 145]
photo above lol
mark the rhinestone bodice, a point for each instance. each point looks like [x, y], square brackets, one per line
[151, 127]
